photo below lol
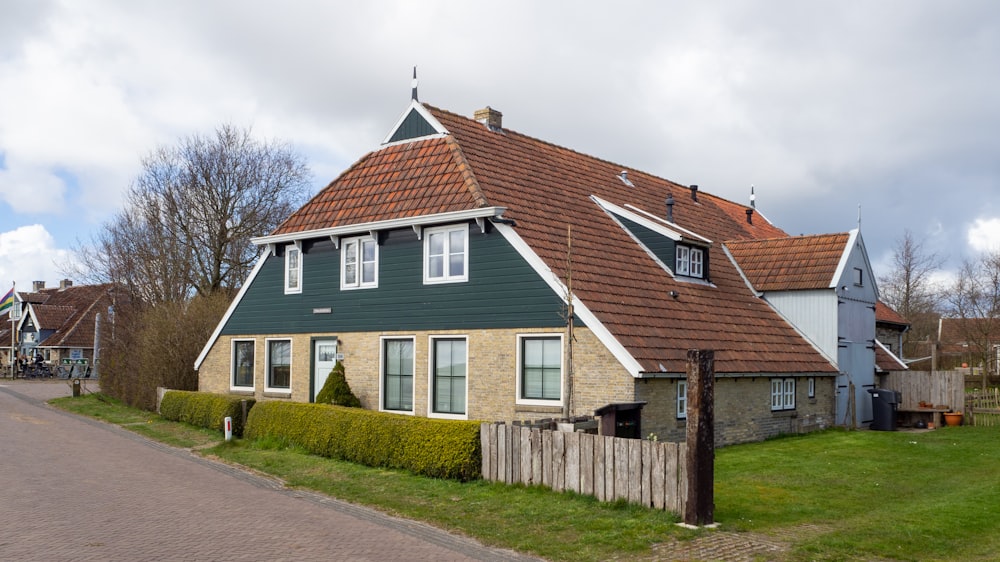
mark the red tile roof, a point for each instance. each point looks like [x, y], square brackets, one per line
[790, 263]
[71, 312]
[547, 188]
[886, 315]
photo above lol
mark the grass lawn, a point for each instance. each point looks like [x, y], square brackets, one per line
[862, 495]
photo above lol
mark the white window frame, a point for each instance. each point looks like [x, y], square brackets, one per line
[431, 380]
[291, 289]
[358, 244]
[782, 394]
[381, 374]
[690, 261]
[233, 364]
[682, 399]
[267, 365]
[520, 369]
[811, 385]
[446, 277]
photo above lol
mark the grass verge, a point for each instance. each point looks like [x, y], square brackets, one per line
[863, 495]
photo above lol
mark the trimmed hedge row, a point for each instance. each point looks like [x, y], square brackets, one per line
[430, 447]
[204, 409]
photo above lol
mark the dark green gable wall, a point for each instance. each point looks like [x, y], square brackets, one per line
[661, 246]
[413, 126]
[502, 292]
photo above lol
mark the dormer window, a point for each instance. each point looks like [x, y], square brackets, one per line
[446, 252]
[690, 262]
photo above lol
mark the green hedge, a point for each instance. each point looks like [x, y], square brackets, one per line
[204, 409]
[436, 448]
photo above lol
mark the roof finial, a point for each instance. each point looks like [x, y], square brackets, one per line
[413, 85]
[859, 216]
[753, 198]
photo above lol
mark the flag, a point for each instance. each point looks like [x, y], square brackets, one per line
[7, 301]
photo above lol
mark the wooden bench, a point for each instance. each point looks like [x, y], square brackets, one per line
[908, 417]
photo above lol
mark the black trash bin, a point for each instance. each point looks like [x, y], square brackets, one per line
[884, 404]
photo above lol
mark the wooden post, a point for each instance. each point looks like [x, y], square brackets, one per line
[700, 508]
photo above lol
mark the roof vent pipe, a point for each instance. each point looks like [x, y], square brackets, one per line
[694, 192]
[749, 216]
[670, 207]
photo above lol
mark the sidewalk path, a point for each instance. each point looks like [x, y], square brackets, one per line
[72, 488]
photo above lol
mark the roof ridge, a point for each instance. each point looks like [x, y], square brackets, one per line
[465, 169]
[790, 237]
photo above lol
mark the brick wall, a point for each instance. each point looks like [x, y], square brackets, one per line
[742, 409]
[492, 377]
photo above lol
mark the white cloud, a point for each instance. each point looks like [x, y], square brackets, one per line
[27, 254]
[984, 234]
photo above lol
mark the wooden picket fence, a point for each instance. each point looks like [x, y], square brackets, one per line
[983, 407]
[644, 472]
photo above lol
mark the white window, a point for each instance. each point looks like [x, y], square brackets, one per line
[812, 387]
[782, 394]
[690, 262]
[446, 254]
[293, 269]
[397, 374]
[243, 364]
[358, 263]
[682, 400]
[540, 369]
[448, 373]
[279, 365]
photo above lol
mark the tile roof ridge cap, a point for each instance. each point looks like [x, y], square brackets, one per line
[468, 177]
[789, 237]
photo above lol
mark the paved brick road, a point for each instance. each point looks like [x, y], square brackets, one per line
[76, 489]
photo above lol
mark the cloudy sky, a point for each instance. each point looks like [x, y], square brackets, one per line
[892, 107]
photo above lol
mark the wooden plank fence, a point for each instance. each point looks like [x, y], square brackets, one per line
[946, 388]
[983, 407]
[644, 472]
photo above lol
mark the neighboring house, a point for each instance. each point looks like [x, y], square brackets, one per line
[824, 286]
[889, 329]
[969, 343]
[59, 324]
[439, 266]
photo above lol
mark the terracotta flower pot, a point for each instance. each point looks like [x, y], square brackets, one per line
[953, 418]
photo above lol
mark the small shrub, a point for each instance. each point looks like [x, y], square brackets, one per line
[336, 391]
[437, 448]
[204, 409]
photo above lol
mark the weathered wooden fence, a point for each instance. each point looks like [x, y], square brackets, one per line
[983, 407]
[945, 388]
[644, 472]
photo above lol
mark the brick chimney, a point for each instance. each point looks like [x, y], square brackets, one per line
[489, 117]
[37, 286]
[65, 283]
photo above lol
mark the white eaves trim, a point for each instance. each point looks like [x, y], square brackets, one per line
[845, 258]
[581, 310]
[893, 355]
[439, 218]
[232, 307]
[639, 219]
[672, 225]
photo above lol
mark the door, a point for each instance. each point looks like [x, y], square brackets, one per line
[324, 358]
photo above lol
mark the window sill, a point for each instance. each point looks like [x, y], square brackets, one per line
[538, 409]
[241, 391]
[784, 414]
[277, 394]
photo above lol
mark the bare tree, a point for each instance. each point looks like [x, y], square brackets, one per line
[975, 299]
[910, 291]
[190, 214]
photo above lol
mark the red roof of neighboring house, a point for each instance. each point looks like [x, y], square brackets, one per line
[954, 332]
[886, 315]
[71, 312]
[790, 263]
[546, 188]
